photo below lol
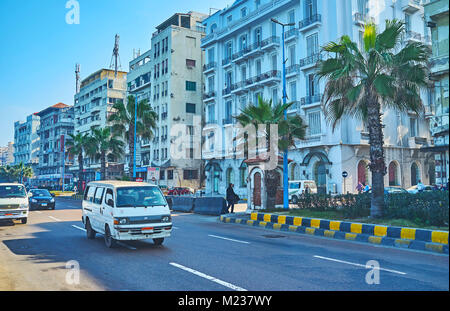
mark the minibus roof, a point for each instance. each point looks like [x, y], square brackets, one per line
[119, 183]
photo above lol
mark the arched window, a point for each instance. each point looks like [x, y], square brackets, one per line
[243, 175]
[415, 174]
[363, 172]
[230, 176]
[213, 28]
[393, 174]
[320, 177]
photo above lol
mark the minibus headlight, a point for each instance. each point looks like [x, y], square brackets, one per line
[166, 219]
[120, 221]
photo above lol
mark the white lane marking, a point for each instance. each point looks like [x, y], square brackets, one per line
[38, 212]
[226, 284]
[359, 265]
[82, 229]
[55, 219]
[223, 238]
[175, 227]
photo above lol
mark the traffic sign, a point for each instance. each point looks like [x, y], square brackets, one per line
[344, 174]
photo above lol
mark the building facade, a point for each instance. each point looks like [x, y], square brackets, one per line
[175, 93]
[26, 141]
[56, 123]
[92, 107]
[244, 61]
[436, 15]
[7, 154]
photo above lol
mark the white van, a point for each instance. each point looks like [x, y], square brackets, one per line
[125, 210]
[298, 187]
[13, 202]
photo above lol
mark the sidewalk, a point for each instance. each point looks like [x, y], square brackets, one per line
[412, 238]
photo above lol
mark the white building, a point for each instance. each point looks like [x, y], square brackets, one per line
[93, 104]
[26, 141]
[176, 96]
[243, 61]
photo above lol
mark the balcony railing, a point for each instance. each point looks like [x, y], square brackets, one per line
[316, 18]
[308, 100]
[229, 120]
[209, 66]
[293, 69]
[209, 95]
[310, 60]
[412, 35]
[291, 33]
[226, 61]
[361, 18]
[270, 41]
[226, 91]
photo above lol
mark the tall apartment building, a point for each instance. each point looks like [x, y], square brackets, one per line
[7, 154]
[56, 123]
[139, 84]
[26, 141]
[244, 61]
[176, 96]
[92, 107]
[436, 15]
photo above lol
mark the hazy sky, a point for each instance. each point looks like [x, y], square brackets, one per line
[38, 49]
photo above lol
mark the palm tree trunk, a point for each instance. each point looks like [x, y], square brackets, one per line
[377, 165]
[131, 149]
[103, 165]
[80, 172]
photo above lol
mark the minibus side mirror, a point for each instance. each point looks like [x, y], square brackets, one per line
[110, 202]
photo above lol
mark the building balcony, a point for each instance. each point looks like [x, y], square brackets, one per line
[209, 67]
[311, 100]
[238, 88]
[291, 34]
[310, 23]
[439, 65]
[360, 19]
[209, 96]
[229, 120]
[163, 115]
[412, 36]
[292, 70]
[270, 43]
[310, 61]
[226, 91]
[226, 62]
[411, 7]
[211, 122]
[294, 107]
[417, 142]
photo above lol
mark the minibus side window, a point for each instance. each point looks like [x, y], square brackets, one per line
[109, 196]
[90, 194]
[86, 193]
[99, 195]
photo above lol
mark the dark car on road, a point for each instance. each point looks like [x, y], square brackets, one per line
[41, 198]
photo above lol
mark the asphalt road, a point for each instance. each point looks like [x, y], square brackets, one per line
[202, 255]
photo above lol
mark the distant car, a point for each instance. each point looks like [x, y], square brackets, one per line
[41, 198]
[413, 189]
[297, 189]
[179, 191]
[394, 189]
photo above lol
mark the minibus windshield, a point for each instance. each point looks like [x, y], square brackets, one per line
[139, 196]
[12, 192]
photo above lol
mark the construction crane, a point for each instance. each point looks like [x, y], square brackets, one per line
[115, 59]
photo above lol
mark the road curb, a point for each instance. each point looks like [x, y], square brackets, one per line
[412, 238]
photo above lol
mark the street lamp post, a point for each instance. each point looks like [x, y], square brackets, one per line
[285, 153]
[134, 145]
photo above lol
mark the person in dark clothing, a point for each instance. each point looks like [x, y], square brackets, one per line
[232, 198]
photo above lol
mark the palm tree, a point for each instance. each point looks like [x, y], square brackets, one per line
[76, 146]
[123, 123]
[288, 130]
[101, 144]
[12, 173]
[360, 83]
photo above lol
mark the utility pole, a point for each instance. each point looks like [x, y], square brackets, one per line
[285, 153]
[115, 59]
[77, 78]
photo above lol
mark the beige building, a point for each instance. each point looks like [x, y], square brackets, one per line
[7, 154]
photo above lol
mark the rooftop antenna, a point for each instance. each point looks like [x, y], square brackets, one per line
[115, 59]
[77, 78]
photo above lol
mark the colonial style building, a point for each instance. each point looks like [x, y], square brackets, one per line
[244, 61]
[436, 15]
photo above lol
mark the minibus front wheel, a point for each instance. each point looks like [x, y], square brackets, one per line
[158, 241]
[109, 240]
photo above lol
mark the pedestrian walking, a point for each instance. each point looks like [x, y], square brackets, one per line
[366, 188]
[232, 198]
[359, 187]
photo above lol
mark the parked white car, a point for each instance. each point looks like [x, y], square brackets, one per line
[414, 189]
[123, 210]
[298, 187]
[13, 202]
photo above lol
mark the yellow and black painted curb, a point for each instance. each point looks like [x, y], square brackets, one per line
[419, 239]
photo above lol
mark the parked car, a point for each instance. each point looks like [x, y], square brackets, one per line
[38, 198]
[123, 210]
[298, 187]
[13, 202]
[179, 191]
[413, 189]
[394, 189]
